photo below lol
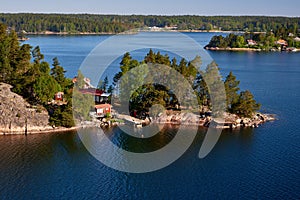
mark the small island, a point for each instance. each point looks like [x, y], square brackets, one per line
[155, 103]
[282, 39]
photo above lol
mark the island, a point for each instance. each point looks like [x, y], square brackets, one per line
[155, 103]
[278, 40]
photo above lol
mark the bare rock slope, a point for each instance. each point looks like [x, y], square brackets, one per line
[17, 116]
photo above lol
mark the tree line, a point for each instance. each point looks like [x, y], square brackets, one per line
[75, 23]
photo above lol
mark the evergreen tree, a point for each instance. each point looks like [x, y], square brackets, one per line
[231, 88]
[174, 64]
[246, 105]
[125, 63]
[103, 85]
[37, 55]
[5, 67]
[150, 58]
[214, 83]
[58, 73]
[80, 80]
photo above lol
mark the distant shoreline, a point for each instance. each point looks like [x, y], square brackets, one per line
[244, 49]
[128, 32]
[79, 33]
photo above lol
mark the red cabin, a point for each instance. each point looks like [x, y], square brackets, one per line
[59, 96]
[103, 109]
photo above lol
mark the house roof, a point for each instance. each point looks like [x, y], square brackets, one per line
[281, 41]
[92, 91]
[102, 106]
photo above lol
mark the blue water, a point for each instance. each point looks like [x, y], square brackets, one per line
[261, 163]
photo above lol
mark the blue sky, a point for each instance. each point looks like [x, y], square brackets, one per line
[161, 7]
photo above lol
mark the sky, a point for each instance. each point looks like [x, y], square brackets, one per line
[157, 7]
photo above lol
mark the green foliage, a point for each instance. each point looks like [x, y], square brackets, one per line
[103, 85]
[33, 80]
[246, 105]
[61, 116]
[58, 73]
[45, 88]
[214, 84]
[82, 104]
[243, 103]
[231, 88]
[80, 80]
[145, 96]
[37, 55]
[265, 41]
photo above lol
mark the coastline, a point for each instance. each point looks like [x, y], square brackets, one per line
[129, 32]
[36, 130]
[186, 119]
[79, 33]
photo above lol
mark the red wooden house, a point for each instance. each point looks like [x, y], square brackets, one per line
[103, 109]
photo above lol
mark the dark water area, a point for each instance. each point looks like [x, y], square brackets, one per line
[261, 163]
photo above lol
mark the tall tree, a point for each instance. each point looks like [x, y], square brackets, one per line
[5, 67]
[150, 58]
[231, 88]
[58, 73]
[246, 105]
[37, 55]
[103, 85]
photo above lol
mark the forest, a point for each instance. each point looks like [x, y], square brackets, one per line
[90, 23]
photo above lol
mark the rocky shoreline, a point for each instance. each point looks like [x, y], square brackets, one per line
[228, 121]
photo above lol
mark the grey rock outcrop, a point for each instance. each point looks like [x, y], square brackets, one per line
[18, 116]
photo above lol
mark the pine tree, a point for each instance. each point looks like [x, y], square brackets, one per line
[37, 55]
[231, 88]
[150, 58]
[246, 105]
[58, 73]
[125, 63]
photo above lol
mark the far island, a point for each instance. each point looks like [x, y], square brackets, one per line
[278, 40]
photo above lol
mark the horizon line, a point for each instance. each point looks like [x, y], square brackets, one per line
[167, 15]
